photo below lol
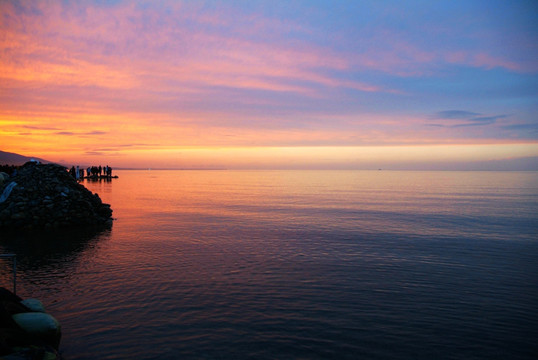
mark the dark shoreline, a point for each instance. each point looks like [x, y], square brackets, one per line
[45, 197]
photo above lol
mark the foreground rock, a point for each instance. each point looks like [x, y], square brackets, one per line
[47, 197]
[26, 330]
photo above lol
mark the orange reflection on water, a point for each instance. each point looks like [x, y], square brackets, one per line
[296, 198]
[208, 256]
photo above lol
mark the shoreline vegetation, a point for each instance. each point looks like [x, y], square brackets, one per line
[38, 196]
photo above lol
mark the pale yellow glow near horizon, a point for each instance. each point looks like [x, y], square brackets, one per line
[299, 157]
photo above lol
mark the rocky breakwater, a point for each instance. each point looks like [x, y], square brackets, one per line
[45, 196]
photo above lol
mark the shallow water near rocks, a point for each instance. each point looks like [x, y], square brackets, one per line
[295, 264]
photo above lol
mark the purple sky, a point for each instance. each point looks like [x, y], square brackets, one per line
[182, 80]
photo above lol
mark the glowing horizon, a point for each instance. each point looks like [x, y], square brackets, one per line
[261, 85]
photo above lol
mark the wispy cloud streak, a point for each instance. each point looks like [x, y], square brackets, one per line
[464, 118]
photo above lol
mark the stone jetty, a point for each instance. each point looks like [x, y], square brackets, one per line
[45, 196]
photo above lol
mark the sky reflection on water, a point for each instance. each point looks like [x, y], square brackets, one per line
[272, 264]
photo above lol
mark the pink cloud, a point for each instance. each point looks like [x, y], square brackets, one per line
[484, 60]
[126, 47]
[395, 54]
[490, 62]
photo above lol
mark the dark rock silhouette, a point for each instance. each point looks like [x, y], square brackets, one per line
[26, 331]
[47, 197]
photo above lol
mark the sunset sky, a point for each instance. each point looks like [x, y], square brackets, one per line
[271, 84]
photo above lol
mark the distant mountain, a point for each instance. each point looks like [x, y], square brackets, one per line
[7, 158]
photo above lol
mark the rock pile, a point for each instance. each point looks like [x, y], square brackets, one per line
[47, 197]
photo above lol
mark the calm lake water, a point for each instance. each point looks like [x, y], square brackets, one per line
[295, 265]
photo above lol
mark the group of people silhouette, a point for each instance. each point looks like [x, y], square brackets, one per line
[92, 172]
